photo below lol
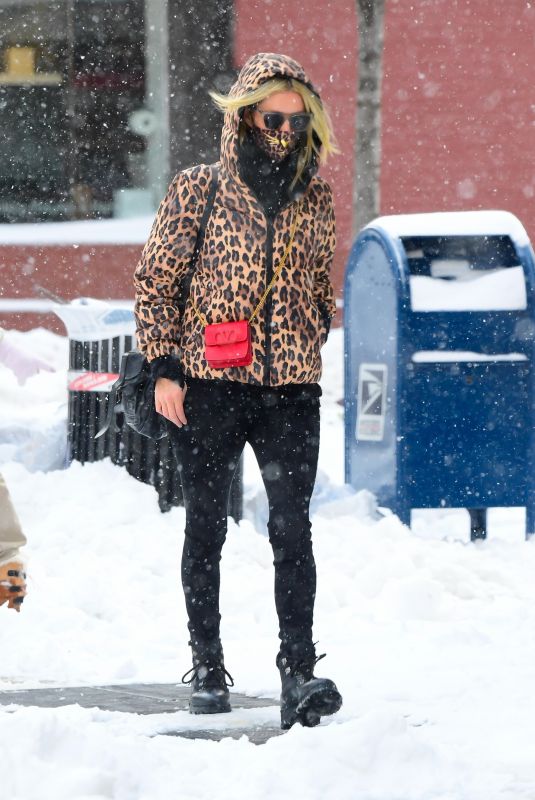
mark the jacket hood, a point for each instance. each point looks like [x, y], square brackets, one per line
[257, 70]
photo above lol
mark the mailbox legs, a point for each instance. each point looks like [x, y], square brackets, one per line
[403, 511]
[478, 523]
[530, 521]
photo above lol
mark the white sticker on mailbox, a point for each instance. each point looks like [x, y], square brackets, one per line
[371, 408]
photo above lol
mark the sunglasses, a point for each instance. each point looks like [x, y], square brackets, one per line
[273, 120]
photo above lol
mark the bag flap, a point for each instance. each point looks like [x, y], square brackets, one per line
[226, 333]
[224, 352]
[133, 366]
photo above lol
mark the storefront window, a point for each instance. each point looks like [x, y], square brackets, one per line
[71, 76]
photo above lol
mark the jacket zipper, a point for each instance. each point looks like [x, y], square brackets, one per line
[268, 308]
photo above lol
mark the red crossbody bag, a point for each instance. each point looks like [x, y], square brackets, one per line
[228, 344]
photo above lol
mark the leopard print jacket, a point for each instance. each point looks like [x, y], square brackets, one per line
[240, 252]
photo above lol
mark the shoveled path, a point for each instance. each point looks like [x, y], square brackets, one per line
[151, 698]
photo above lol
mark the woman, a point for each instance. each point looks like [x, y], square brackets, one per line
[12, 538]
[12, 574]
[264, 263]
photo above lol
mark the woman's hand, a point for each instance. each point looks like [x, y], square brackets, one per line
[169, 401]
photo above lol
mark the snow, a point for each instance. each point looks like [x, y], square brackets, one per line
[33, 416]
[491, 290]
[87, 319]
[454, 223]
[423, 356]
[134, 230]
[430, 638]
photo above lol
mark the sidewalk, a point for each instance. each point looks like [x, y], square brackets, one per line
[152, 699]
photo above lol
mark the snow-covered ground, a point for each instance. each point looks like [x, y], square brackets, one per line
[430, 638]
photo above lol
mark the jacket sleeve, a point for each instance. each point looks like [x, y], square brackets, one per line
[160, 273]
[325, 247]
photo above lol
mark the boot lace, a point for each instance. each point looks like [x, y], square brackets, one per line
[303, 667]
[208, 672]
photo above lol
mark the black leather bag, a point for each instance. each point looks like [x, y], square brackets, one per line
[132, 395]
[137, 397]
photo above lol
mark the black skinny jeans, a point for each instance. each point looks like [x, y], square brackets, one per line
[282, 426]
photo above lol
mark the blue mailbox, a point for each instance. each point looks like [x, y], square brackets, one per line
[439, 350]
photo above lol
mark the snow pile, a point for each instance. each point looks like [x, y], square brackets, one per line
[429, 638]
[492, 290]
[432, 356]
[33, 416]
[103, 231]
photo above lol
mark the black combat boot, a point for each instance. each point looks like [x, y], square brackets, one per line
[304, 698]
[208, 680]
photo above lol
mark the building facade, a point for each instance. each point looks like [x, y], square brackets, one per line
[80, 94]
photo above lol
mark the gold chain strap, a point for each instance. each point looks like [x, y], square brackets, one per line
[199, 316]
[276, 274]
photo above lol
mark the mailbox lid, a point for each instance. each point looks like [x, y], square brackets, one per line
[454, 223]
[460, 261]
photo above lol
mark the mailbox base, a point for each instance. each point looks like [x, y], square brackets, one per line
[478, 518]
[478, 523]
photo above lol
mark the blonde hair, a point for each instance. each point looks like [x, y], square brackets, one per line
[321, 121]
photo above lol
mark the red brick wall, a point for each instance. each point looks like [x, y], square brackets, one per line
[322, 36]
[68, 271]
[459, 107]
